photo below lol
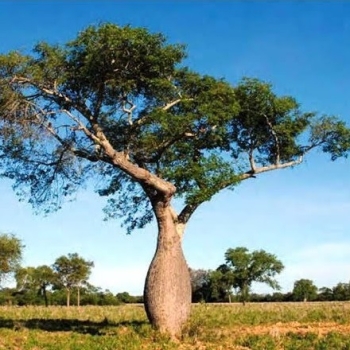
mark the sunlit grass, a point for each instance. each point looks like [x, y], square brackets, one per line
[254, 326]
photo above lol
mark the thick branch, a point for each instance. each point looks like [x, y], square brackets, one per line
[187, 212]
[250, 174]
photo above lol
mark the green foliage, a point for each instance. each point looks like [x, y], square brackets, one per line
[72, 271]
[304, 290]
[35, 280]
[246, 268]
[341, 291]
[10, 254]
[115, 100]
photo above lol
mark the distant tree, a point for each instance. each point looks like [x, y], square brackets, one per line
[221, 283]
[278, 297]
[325, 294]
[108, 298]
[8, 296]
[341, 291]
[246, 268]
[24, 277]
[117, 105]
[304, 290]
[72, 271]
[200, 280]
[35, 279]
[126, 298]
[10, 255]
[45, 277]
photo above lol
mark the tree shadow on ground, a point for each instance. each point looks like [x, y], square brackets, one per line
[70, 325]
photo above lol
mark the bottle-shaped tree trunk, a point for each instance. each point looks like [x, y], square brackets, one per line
[167, 291]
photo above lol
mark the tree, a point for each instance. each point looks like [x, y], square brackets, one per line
[304, 290]
[341, 291]
[35, 279]
[72, 271]
[325, 294]
[10, 255]
[200, 285]
[246, 268]
[45, 277]
[116, 104]
[221, 282]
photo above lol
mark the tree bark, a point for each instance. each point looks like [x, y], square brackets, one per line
[45, 296]
[68, 297]
[167, 292]
[78, 296]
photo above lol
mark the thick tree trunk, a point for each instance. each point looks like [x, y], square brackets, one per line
[167, 291]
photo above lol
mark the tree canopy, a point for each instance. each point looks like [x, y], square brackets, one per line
[117, 105]
[304, 290]
[35, 279]
[10, 254]
[246, 268]
[72, 271]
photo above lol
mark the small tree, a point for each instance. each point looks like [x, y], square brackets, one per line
[72, 271]
[246, 268]
[10, 255]
[304, 290]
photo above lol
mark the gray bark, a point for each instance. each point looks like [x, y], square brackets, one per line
[167, 292]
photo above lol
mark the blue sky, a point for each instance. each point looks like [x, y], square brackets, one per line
[300, 214]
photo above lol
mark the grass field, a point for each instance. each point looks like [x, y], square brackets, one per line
[291, 326]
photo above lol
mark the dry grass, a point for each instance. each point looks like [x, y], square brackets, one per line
[254, 326]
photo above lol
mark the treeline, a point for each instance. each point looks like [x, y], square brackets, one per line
[232, 281]
[211, 287]
[88, 296]
[64, 282]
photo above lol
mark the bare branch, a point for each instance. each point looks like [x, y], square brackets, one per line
[250, 174]
[57, 96]
[143, 119]
[171, 104]
[82, 127]
[274, 134]
[129, 110]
